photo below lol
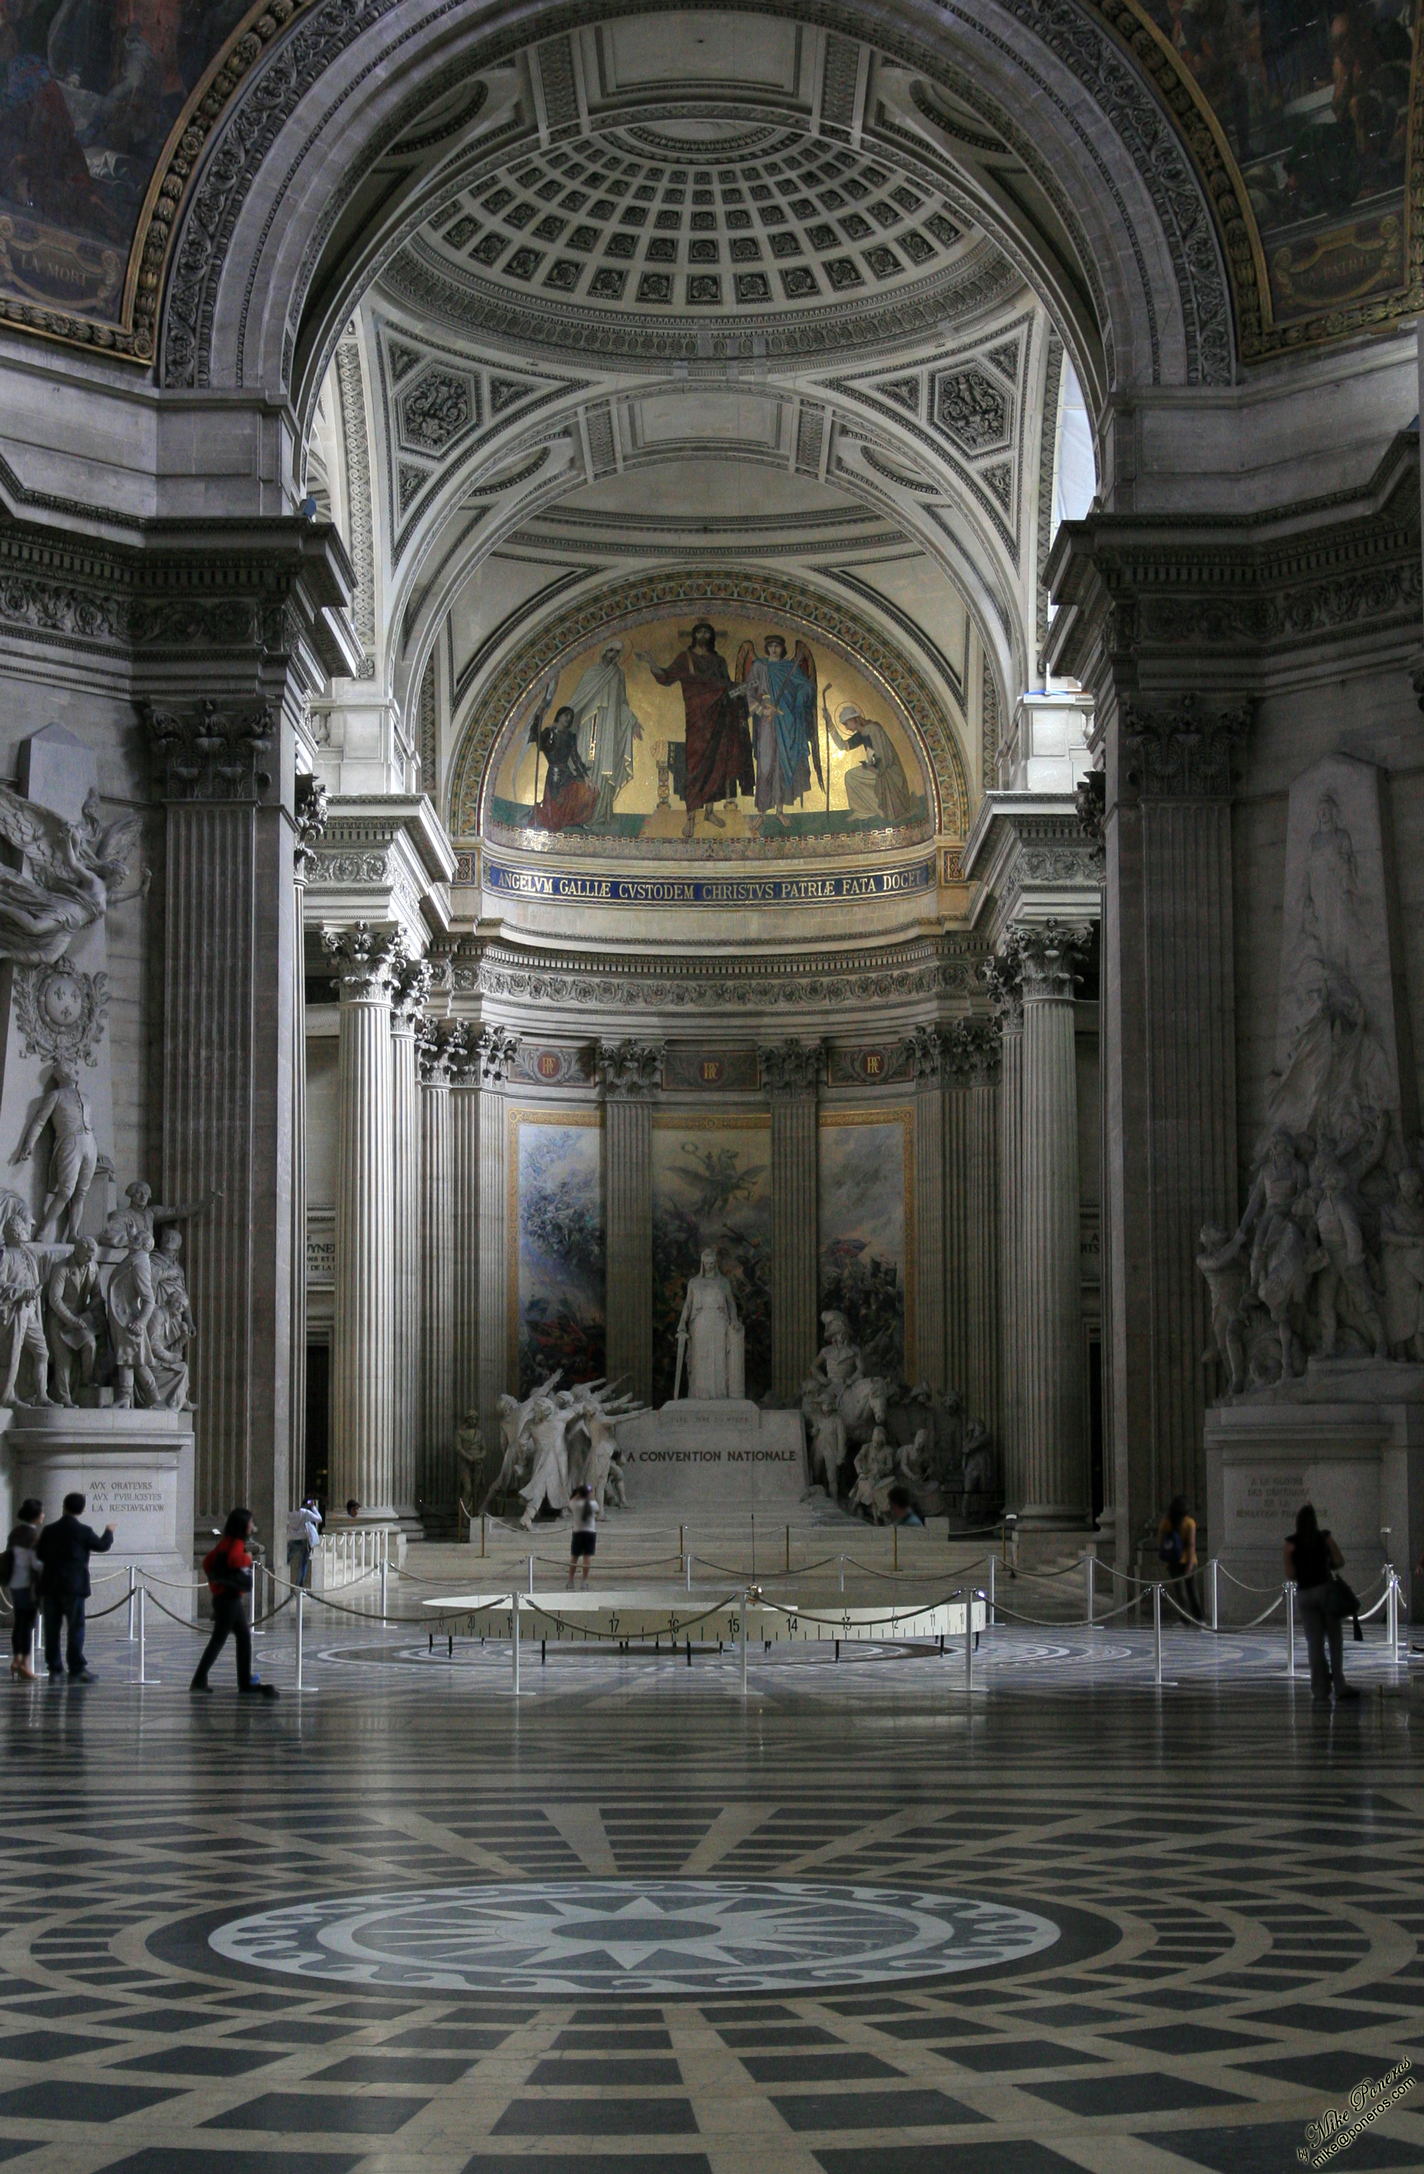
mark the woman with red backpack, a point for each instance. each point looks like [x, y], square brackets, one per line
[228, 1568]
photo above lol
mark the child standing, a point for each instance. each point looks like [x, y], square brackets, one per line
[585, 1532]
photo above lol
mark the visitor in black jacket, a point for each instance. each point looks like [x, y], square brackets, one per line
[63, 1551]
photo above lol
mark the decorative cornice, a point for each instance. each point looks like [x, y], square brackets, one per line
[791, 1070]
[207, 753]
[626, 1071]
[1186, 752]
[695, 983]
[366, 961]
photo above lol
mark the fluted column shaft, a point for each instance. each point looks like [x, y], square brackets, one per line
[930, 1286]
[791, 1074]
[435, 1473]
[297, 1355]
[628, 1182]
[1010, 1129]
[405, 1105]
[463, 1364]
[971, 1223]
[363, 1330]
[498, 1365]
[1054, 1445]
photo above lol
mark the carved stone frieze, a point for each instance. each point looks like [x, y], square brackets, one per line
[366, 961]
[212, 753]
[923, 967]
[791, 1068]
[627, 1070]
[1186, 752]
[60, 1012]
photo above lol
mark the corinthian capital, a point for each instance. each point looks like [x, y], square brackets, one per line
[1182, 752]
[495, 1050]
[1002, 976]
[970, 1052]
[791, 1068]
[411, 988]
[310, 818]
[924, 1053]
[1049, 953]
[365, 960]
[212, 753]
[628, 1070]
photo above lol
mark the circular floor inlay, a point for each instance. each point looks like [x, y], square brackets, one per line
[635, 1936]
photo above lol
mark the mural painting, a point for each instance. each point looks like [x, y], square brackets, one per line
[89, 91]
[867, 1235]
[712, 1187]
[721, 729]
[557, 1247]
[1314, 104]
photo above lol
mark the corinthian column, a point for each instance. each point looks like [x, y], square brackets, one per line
[365, 961]
[791, 1073]
[629, 1074]
[924, 1052]
[970, 1062]
[463, 1062]
[412, 987]
[435, 1468]
[1054, 1444]
[495, 1051]
[310, 812]
[1004, 978]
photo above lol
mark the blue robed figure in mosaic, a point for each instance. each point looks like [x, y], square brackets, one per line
[781, 701]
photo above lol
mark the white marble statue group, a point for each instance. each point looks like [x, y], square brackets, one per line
[553, 1441]
[1326, 1265]
[867, 1435]
[113, 1308]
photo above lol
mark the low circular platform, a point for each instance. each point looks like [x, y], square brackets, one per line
[691, 1937]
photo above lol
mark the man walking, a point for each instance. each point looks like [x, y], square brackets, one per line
[63, 1550]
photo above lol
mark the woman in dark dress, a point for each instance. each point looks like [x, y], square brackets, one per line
[1311, 1556]
[568, 799]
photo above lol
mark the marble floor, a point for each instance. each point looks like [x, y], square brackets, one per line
[863, 1922]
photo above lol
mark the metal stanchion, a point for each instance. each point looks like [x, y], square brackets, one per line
[968, 1641]
[482, 1534]
[133, 1588]
[688, 1560]
[514, 1628]
[842, 1560]
[681, 1544]
[992, 1561]
[301, 1596]
[142, 1635]
[385, 1567]
[1157, 1632]
[1391, 1609]
[1088, 1561]
[1212, 1567]
[531, 1574]
[744, 1645]
[1290, 1626]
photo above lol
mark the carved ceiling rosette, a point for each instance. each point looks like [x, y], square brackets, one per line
[791, 1068]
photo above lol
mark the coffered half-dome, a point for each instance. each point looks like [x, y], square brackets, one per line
[663, 239]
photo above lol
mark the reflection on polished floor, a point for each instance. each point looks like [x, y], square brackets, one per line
[401, 1922]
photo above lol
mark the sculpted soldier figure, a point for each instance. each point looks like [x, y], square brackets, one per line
[73, 1156]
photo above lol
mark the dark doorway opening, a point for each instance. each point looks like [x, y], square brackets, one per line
[318, 1420]
[1095, 1423]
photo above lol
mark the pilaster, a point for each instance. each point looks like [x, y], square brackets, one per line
[309, 804]
[464, 1367]
[408, 997]
[435, 1465]
[791, 1075]
[366, 962]
[1053, 1445]
[970, 1066]
[1003, 978]
[629, 1074]
[495, 1051]
[924, 1061]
